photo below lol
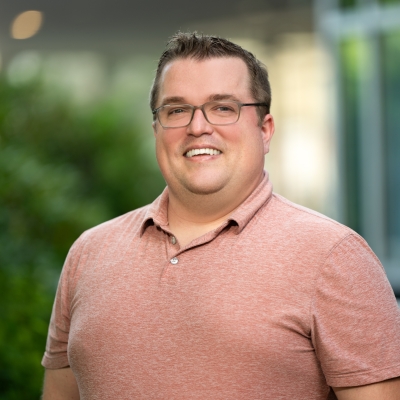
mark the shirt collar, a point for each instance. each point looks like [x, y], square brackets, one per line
[157, 213]
[257, 199]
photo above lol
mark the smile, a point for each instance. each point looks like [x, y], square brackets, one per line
[196, 152]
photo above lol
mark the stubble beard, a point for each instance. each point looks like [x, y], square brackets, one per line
[206, 187]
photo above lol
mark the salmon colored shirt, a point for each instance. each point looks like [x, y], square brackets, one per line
[279, 302]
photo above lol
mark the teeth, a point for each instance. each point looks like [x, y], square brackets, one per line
[196, 152]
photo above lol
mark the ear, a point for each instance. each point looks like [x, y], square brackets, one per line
[154, 126]
[267, 131]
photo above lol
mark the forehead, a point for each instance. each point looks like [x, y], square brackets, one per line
[196, 80]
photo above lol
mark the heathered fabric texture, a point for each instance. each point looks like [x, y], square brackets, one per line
[280, 302]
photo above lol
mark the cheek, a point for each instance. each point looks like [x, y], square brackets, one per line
[166, 148]
[162, 160]
[254, 149]
[252, 139]
[170, 142]
[160, 151]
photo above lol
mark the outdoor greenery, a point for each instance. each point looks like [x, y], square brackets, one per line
[62, 170]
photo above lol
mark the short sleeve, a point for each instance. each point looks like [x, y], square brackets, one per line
[56, 355]
[355, 317]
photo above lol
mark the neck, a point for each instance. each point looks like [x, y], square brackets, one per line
[192, 215]
[188, 224]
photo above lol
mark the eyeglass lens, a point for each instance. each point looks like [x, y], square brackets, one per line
[216, 112]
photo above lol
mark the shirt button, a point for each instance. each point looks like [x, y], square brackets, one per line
[174, 261]
[173, 239]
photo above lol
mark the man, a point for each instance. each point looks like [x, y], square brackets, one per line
[220, 289]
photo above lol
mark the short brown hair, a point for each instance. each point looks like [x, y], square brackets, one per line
[200, 47]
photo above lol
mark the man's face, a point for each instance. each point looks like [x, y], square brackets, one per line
[238, 166]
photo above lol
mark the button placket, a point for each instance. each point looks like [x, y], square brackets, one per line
[170, 272]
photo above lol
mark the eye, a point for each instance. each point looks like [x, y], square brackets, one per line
[223, 108]
[176, 110]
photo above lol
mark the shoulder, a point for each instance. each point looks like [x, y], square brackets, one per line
[286, 208]
[124, 228]
[131, 221]
[104, 243]
[304, 233]
[302, 220]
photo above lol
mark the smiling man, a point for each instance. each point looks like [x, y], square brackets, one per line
[215, 160]
[220, 289]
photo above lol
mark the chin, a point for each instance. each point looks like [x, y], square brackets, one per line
[204, 188]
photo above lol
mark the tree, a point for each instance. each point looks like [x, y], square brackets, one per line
[62, 171]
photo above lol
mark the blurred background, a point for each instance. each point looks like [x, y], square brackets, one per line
[76, 145]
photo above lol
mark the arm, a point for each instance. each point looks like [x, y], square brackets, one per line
[356, 324]
[60, 384]
[386, 390]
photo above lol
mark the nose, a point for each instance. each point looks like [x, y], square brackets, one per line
[199, 124]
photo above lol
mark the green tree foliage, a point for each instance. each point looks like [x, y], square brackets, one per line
[61, 171]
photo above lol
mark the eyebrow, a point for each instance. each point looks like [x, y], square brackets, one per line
[224, 96]
[212, 97]
[173, 100]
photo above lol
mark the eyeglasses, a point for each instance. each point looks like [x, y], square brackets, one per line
[215, 112]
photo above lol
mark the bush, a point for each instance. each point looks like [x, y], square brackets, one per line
[61, 171]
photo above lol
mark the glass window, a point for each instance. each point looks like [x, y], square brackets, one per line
[347, 3]
[391, 95]
[349, 58]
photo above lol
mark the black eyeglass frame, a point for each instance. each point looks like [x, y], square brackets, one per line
[194, 108]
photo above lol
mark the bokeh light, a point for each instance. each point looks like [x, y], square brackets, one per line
[26, 24]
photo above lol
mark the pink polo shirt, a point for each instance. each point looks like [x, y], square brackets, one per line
[279, 302]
